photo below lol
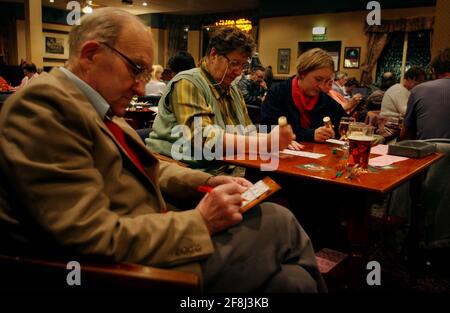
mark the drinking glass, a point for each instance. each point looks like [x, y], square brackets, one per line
[360, 136]
[343, 126]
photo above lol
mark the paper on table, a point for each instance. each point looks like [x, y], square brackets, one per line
[335, 141]
[384, 160]
[379, 149]
[303, 154]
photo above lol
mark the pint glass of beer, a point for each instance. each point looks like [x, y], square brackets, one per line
[360, 137]
[343, 126]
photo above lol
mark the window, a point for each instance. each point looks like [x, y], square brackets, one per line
[417, 48]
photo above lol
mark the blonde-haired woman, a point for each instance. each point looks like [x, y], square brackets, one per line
[301, 100]
[155, 87]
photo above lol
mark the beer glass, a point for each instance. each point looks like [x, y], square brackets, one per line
[360, 136]
[343, 126]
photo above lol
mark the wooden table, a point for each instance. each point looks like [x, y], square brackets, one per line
[380, 182]
[352, 198]
[141, 118]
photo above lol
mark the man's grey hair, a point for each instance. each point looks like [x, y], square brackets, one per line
[339, 75]
[103, 25]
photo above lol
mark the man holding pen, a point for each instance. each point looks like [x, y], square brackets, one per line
[77, 180]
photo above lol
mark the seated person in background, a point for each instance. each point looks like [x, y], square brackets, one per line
[347, 104]
[339, 82]
[268, 76]
[350, 86]
[254, 87]
[396, 97]
[300, 99]
[207, 95]
[30, 72]
[393, 105]
[96, 190]
[428, 108]
[167, 75]
[375, 98]
[181, 61]
[155, 87]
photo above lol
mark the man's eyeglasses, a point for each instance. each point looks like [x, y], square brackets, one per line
[140, 72]
[235, 64]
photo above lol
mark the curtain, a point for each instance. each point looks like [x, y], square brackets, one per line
[375, 45]
[378, 37]
[8, 39]
[175, 38]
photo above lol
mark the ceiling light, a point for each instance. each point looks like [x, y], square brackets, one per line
[144, 3]
[51, 1]
[87, 9]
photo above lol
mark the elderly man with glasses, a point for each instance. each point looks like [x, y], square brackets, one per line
[77, 180]
[207, 95]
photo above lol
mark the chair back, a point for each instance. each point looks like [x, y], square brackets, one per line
[37, 268]
[436, 197]
[153, 100]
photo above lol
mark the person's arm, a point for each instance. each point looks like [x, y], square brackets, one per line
[23, 83]
[188, 103]
[245, 87]
[409, 129]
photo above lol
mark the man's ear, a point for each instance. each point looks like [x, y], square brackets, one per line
[88, 50]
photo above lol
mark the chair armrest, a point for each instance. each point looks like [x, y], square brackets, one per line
[167, 159]
[18, 272]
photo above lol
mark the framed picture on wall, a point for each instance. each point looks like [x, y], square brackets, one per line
[284, 59]
[351, 57]
[56, 45]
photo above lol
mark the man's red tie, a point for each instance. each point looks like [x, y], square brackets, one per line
[120, 136]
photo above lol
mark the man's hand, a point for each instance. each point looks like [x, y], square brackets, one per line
[285, 136]
[221, 180]
[323, 133]
[354, 101]
[263, 84]
[220, 207]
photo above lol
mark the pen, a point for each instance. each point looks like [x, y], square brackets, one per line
[204, 188]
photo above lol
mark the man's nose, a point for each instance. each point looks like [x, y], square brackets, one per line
[139, 88]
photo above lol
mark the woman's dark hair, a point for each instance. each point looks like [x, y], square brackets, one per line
[441, 62]
[229, 39]
[352, 82]
[181, 61]
[30, 67]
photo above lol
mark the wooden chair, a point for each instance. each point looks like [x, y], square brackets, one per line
[26, 273]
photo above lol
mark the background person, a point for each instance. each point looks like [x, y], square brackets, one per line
[155, 87]
[181, 61]
[30, 72]
[428, 108]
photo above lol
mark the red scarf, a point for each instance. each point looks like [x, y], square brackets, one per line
[303, 103]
